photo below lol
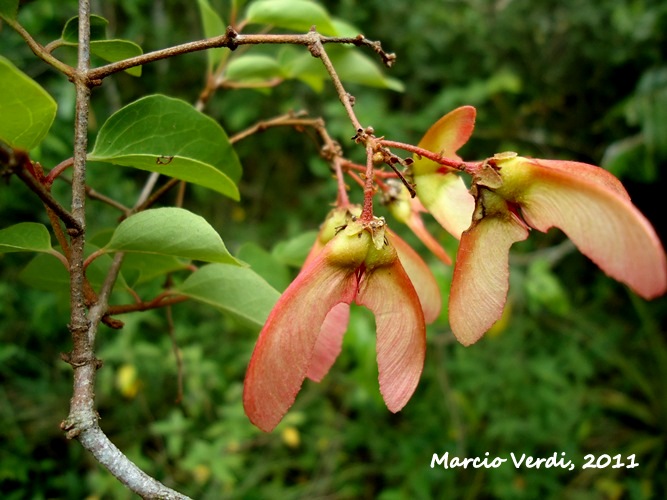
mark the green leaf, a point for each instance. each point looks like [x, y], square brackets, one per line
[343, 28]
[238, 291]
[117, 50]
[27, 109]
[355, 67]
[142, 267]
[25, 237]
[303, 67]
[293, 252]
[169, 136]
[9, 8]
[109, 50]
[98, 29]
[265, 264]
[253, 68]
[100, 238]
[45, 272]
[170, 231]
[213, 26]
[297, 15]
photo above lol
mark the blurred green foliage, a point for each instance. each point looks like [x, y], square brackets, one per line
[578, 365]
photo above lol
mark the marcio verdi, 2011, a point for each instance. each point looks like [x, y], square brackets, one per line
[530, 462]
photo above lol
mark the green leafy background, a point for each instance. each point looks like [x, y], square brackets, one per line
[578, 364]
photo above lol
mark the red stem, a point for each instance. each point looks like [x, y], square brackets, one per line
[367, 211]
[343, 200]
[382, 174]
[92, 257]
[356, 178]
[161, 300]
[352, 166]
[57, 170]
[425, 153]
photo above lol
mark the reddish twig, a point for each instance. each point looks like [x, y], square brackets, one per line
[159, 301]
[425, 153]
[369, 187]
[57, 170]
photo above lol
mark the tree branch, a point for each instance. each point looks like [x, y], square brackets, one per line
[59, 233]
[160, 301]
[153, 198]
[15, 161]
[231, 39]
[57, 170]
[102, 72]
[125, 470]
[369, 187]
[38, 188]
[447, 162]
[317, 49]
[82, 421]
[96, 195]
[40, 51]
[290, 119]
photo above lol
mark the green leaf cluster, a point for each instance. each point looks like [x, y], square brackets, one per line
[158, 242]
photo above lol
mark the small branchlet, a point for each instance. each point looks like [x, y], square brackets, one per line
[388, 58]
[17, 162]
